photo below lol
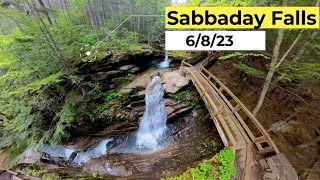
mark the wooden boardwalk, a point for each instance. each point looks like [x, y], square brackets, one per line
[257, 156]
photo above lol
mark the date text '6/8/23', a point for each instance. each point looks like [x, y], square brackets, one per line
[215, 40]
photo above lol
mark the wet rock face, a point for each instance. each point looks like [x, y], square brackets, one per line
[113, 64]
[30, 157]
[111, 167]
[172, 81]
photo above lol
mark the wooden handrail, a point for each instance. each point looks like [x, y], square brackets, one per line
[234, 110]
[243, 107]
[216, 109]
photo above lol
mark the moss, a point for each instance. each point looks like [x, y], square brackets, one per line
[219, 167]
[182, 97]
[32, 171]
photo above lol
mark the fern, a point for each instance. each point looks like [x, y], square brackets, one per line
[241, 55]
[249, 70]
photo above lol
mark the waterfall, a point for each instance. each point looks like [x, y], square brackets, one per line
[165, 62]
[99, 150]
[153, 124]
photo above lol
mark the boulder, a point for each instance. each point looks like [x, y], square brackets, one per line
[280, 127]
[173, 81]
[30, 157]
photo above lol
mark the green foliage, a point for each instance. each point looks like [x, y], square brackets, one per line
[249, 70]
[219, 167]
[301, 72]
[226, 168]
[115, 96]
[241, 55]
[34, 172]
[202, 172]
[220, 3]
[214, 145]
[95, 174]
[113, 99]
[181, 97]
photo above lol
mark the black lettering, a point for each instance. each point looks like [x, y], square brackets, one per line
[311, 19]
[247, 20]
[289, 19]
[194, 18]
[214, 18]
[223, 19]
[303, 17]
[259, 21]
[298, 17]
[185, 18]
[238, 16]
[274, 18]
[176, 20]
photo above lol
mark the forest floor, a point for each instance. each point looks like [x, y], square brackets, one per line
[296, 137]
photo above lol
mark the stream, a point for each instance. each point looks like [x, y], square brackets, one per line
[156, 149]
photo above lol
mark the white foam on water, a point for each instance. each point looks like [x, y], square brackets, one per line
[153, 124]
[58, 151]
[165, 63]
[99, 150]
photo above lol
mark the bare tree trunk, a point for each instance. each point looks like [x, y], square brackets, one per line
[45, 11]
[131, 13]
[92, 20]
[97, 13]
[61, 9]
[272, 69]
[68, 10]
[56, 48]
[103, 4]
[51, 14]
[75, 12]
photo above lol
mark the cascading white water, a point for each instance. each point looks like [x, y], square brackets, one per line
[165, 63]
[153, 124]
[101, 149]
[150, 137]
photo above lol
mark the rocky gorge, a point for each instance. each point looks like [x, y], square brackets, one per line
[118, 113]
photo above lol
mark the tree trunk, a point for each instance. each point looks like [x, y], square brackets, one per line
[103, 4]
[56, 48]
[68, 10]
[45, 11]
[91, 18]
[75, 12]
[51, 14]
[97, 13]
[272, 69]
[61, 9]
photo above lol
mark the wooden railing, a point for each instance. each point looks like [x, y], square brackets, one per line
[227, 101]
[213, 108]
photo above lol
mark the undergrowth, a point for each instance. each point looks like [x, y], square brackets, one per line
[219, 167]
[242, 55]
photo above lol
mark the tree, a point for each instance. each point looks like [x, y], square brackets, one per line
[275, 63]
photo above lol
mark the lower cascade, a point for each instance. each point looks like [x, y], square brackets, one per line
[152, 134]
[153, 124]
